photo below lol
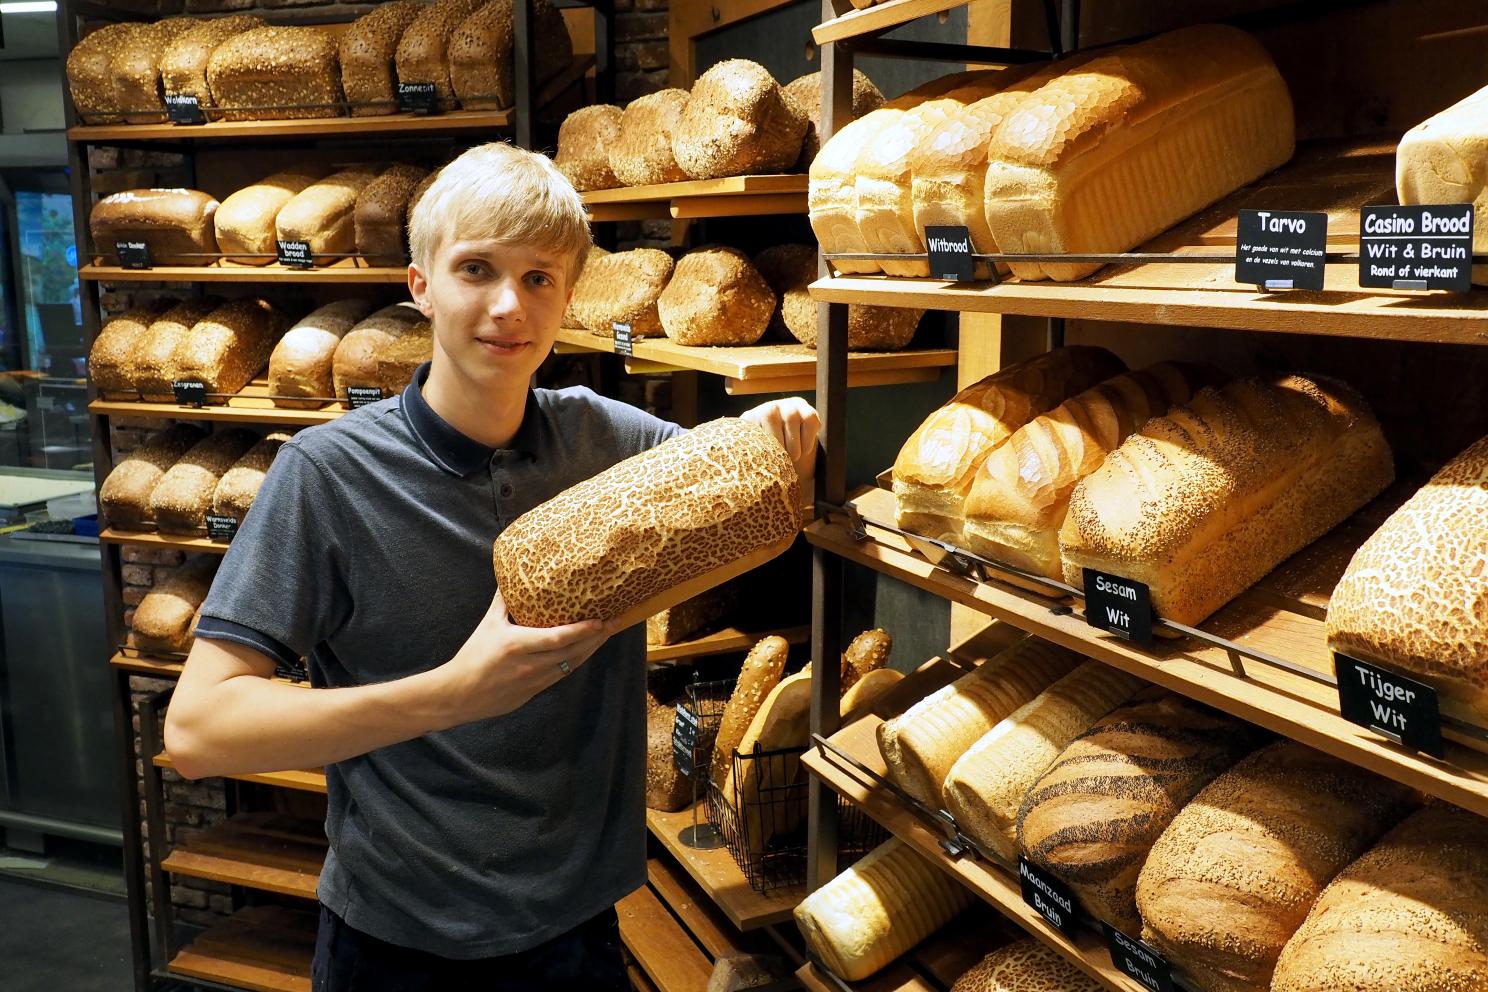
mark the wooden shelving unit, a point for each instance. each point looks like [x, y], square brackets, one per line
[312, 780]
[345, 271]
[150, 538]
[878, 18]
[725, 641]
[265, 851]
[452, 123]
[718, 876]
[735, 196]
[660, 945]
[251, 405]
[263, 948]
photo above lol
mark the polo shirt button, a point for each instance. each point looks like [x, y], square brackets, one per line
[506, 490]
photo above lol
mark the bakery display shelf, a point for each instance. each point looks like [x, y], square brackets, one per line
[931, 966]
[733, 196]
[1282, 616]
[453, 122]
[660, 945]
[719, 876]
[251, 404]
[723, 641]
[261, 948]
[147, 664]
[347, 270]
[703, 920]
[116, 535]
[882, 16]
[310, 780]
[270, 852]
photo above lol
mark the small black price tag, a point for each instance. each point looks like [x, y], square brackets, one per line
[1138, 961]
[295, 254]
[133, 254]
[958, 562]
[1049, 896]
[359, 396]
[221, 528]
[1402, 709]
[1119, 606]
[190, 393]
[418, 98]
[1281, 246]
[1426, 247]
[950, 253]
[622, 340]
[184, 108]
[684, 739]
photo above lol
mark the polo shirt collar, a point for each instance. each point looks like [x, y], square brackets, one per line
[452, 450]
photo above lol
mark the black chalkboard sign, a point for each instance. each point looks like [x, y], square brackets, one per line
[950, 253]
[1402, 709]
[133, 254]
[295, 254]
[1049, 896]
[623, 345]
[221, 528]
[1417, 247]
[1281, 249]
[359, 396]
[1119, 606]
[418, 98]
[190, 393]
[184, 108]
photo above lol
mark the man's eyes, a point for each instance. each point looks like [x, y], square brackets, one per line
[540, 279]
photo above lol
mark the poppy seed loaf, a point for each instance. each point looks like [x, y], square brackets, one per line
[715, 297]
[367, 50]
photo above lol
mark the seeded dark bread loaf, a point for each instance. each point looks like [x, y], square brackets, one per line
[652, 531]
[400, 358]
[380, 214]
[182, 498]
[89, 78]
[622, 287]
[323, 214]
[183, 64]
[805, 93]
[276, 73]
[231, 345]
[166, 618]
[595, 252]
[680, 622]
[737, 122]
[153, 363]
[136, 70]
[300, 365]
[584, 142]
[642, 151]
[760, 674]
[715, 297]
[234, 492]
[423, 50]
[244, 222]
[418, 194]
[124, 496]
[109, 358]
[367, 50]
[1093, 815]
[482, 67]
[791, 269]
[176, 224]
[1026, 965]
[865, 654]
[1238, 869]
[355, 361]
[667, 789]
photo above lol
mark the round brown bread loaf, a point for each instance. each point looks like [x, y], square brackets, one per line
[183, 64]
[136, 70]
[355, 361]
[175, 224]
[182, 498]
[791, 269]
[89, 78]
[367, 49]
[1411, 915]
[245, 221]
[642, 152]
[166, 618]
[623, 288]
[570, 318]
[152, 366]
[239, 484]
[736, 123]
[124, 497]
[653, 530]
[1238, 869]
[1025, 966]
[300, 364]
[482, 71]
[276, 73]
[584, 141]
[108, 359]
[381, 206]
[423, 51]
[715, 297]
[804, 92]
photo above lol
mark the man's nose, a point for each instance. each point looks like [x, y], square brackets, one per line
[506, 301]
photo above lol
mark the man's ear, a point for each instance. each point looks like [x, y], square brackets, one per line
[418, 288]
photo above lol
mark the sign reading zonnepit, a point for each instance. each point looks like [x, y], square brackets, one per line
[1416, 247]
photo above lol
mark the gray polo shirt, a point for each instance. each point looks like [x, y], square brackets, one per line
[368, 552]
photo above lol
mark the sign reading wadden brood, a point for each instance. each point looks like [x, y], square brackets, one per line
[950, 253]
[1281, 246]
[295, 254]
[1400, 708]
[1138, 961]
[1426, 247]
[1119, 606]
[1049, 896]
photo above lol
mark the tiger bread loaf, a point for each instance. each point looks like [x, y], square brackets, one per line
[183, 63]
[760, 674]
[923, 744]
[1440, 160]
[1092, 816]
[276, 73]
[584, 141]
[1021, 493]
[176, 225]
[935, 470]
[1415, 594]
[715, 297]
[1411, 915]
[694, 616]
[124, 497]
[323, 214]
[481, 65]
[89, 79]
[109, 358]
[987, 784]
[789, 271]
[356, 357]
[653, 530]
[240, 483]
[1236, 872]
[804, 92]
[152, 363]
[166, 617]
[245, 221]
[380, 214]
[366, 51]
[231, 345]
[182, 498]
[1201, 503]
[641, 154]
[1117, 150]
[423, 50]
[1025, 965]
[622, 287]
[877, 910]
[135, 68]
[737, 122]
[300, 366]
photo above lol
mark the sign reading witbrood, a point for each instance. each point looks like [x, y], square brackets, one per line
[950, 253]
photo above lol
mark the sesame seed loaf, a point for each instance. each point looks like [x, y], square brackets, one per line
[423, 51]
[276, 73]
[231, 345]
[245, 220]
[652, 531]
[401, 357]
[791, 269]
[166, 618]
[380, 212]
[89, 79]
[135, 67]
[323, 214]
[1236, 872]
[108, 359]
[805, 93]
[183, 64]
[1025, 965]
[355, 361]
[124, 496]
[736, 122]
[234, 492]
[182, 498]
[300, 365]
[622, 287]
[482, 71]
[367, 50]
[642, 151]
[152, 365]
[176, 224]
[584, 141]
[1203, 502]
[715, 297]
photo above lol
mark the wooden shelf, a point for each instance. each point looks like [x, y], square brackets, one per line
[659, 944]
[261, 948]
[879, 17]
[347, 270]
[719, 877]
[148, 665]
[768, 368]
[1282, 616]
[735, 196]
[312, 780]
[251, 405]
[933, 965]
[722, 642]
[702, 919]
[266, 851]
[114, 535]
[453, 123]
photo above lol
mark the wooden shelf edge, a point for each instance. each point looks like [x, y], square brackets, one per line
[880, 17]
[337, 273]
[148, 665]
[216, 869]
[660, 945]
[452, 122]
[307, 780]
[729, 186]
[720, 878]
[722, 642]
[115, 535]
[241, 414]
[260, 948]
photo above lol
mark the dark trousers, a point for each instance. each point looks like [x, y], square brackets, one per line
[585, 959]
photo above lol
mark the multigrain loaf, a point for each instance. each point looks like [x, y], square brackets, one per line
[1021, 493]
[175, 224]
[182, 498]
[1203, 502]
[715, 297]
[1119, 149]
[789, 270]
[935, 470]
[1411, 915]
[239, 484]
[1093, 815]
[667, 789]
[1415, 594]
[166, 617]
[987, 784]
[694, 616]
[89, 79]
[153, 363]
[1025, 965]
[231, 345]
[418, 194]
[300, 364]
[135, 68]
[109, 359]
[379, 215]
[1440, 160]
[584, 141]
[737, 122]
[1236, 872]
[804, 92]
[276, 73]
[594, 254]
[653, 530]
[366, 51]
[244, 222]
[482, 67]
[323, 214]
[866, 653]
[641, 154]
[400, 358]
[124, 496]
[355, 360]
[921, 745]
[877, 910]
[622, 288]
[423, 50]
[183, 63]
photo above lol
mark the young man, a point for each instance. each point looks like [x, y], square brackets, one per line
[485, 787]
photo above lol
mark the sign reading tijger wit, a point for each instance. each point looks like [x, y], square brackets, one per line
[1119, 606]
[950, 253]
[184, 108]
[1138, 961]
[1281, 246]
[1426, 247]
[1400, 708]
[1047, 894]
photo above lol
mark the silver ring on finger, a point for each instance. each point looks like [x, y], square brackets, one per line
[564, 668]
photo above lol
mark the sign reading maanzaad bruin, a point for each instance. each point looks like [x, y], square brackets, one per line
[1281, 249]
[1417, 247]
[1048, 896]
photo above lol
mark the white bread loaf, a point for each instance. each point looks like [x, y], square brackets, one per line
[805, 93]
[789, 270]
[642, 152]
[300, 366]
[737, 122]
[323, 214]
[1121, 148]
[934, 471]
[1444, 159]
[715, 297]
[921, 745]
[109, 358]
[653, 530]
[1238, 869]
[1021, 493]
[183, 63]
[89, 79]
[1415, 594]
[124, 497]
[231, 345]
[481, 64]
[153, 365]
[166, 618]
[276, 73]
[176, 224]
[987, 784]
[182, 498]
[244, 222]
[758, 677]
[584, 142]
[378, 219]
[1025, 965]
[782, 722]
[1202, 503]
[235, 491]
[135, 68]
[367, 50]
[622, 287]
[423, 48]
[877, 910]
[1411, 915]
[355, 362]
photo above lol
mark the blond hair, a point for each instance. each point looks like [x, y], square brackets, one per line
[506, 194]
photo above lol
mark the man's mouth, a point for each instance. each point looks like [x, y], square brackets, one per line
[502, 346]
